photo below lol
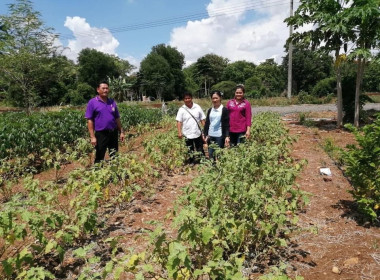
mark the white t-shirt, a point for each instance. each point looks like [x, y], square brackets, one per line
[190, 128]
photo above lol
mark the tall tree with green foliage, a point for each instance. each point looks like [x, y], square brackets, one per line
[239, 71]
[176, 61]
[272, 77]
[157, 78]
[210, 68]
[25, 43]
[191, 84]
[95, 66]
[329, 33]
[364, 15]
[309, 67]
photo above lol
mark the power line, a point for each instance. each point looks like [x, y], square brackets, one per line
[226, 11]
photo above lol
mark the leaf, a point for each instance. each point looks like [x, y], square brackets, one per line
[52, 244]
[7, 266]
[80, 252]
[207, 234]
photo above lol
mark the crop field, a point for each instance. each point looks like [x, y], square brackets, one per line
[61, 217]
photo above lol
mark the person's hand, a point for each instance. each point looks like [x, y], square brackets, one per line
[180, 135]
[227, 141]
[205, 139]
[122, 136]
[93, 141]
[247, 134]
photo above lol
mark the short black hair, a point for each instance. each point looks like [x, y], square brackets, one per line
[102, 82]
[218, 92]
[187, 94]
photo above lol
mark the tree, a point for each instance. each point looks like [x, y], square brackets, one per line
[371, 79]
[26, 43]
[239, 71]
[95, 66]
[119, 88]
[191, 84]
[309, 68]
[364, 15]
[176, 60]
[210, 69]
[156, 76]
[330, 32]
[227, 87]
[272, 77]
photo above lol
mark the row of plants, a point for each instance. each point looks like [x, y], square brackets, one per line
[22, 134]
[49, 219]
[236, 216]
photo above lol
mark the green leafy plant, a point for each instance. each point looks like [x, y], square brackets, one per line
[363, 168]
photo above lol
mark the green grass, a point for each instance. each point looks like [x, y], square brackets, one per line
[375, 98]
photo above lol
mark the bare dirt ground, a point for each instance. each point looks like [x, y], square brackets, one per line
[342, 246]
[334, 242]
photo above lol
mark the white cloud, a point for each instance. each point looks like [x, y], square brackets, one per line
[86, 36]
[233, 34]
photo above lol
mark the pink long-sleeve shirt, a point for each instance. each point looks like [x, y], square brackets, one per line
[240, 115]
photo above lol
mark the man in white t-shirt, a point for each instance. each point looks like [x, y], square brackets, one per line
[189, 118]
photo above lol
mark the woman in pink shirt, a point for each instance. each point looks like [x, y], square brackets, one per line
[240, 112]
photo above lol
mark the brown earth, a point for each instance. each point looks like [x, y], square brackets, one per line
[343, 245]
[334, 242]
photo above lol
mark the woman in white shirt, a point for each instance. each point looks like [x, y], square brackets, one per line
[217, 126]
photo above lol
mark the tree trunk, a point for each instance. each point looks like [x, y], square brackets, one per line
[205, 87]
[359, 79]
[339, 121]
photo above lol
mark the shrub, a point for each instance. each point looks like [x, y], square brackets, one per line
[324, 87]
[306, 98]
[363, 167]
[227, 87]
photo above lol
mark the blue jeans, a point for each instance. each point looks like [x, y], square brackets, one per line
[215, 140]
[237, 138]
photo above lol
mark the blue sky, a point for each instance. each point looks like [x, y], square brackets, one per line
[252, 30]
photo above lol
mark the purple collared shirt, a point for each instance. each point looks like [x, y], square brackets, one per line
[103, 114]
[240, 115]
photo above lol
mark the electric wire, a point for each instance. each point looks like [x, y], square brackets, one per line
[226, 11]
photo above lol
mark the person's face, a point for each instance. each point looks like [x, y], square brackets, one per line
[216, 100]
[239, 94]
[103, 90]
[188, 101]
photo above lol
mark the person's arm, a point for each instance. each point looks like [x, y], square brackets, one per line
[248, 115]
[248, 132]
[226, 126]
[91, 131]
[179, 129]
[206, 126]
[120, 128]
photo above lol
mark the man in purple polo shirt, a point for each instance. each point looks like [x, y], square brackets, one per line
[103, 122]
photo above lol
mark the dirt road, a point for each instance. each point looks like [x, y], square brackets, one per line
[307, 108]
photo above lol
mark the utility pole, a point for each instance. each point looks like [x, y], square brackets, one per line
[290, 55]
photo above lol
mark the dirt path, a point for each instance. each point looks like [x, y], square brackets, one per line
[341, 247]
[282, 110]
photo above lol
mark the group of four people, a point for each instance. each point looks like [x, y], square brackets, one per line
[222, 125]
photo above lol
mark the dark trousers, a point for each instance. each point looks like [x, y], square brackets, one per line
[194, 145]
[215, 140]
[237, 138]
[105, 139]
